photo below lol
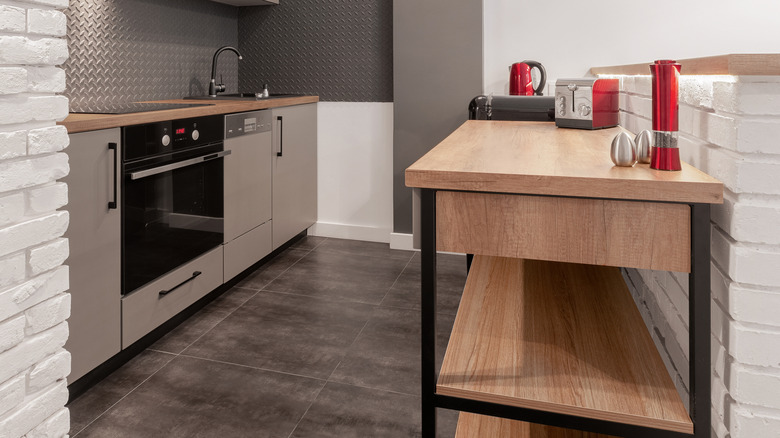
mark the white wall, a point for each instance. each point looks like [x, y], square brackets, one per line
[355, 170]
[728, 128]
[569, 37]
[34, 302]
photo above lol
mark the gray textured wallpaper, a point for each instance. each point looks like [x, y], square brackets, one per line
[134, 50]
[341, 50]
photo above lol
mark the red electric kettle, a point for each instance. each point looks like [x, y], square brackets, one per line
[520, 81]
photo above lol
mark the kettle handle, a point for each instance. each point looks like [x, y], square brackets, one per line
[542, 76]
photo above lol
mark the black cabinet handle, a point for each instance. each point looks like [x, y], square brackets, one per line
[113, 147]
[166, 292]
[281, 133]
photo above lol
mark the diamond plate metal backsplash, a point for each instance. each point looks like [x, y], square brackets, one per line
[341, 50]
[136, 50]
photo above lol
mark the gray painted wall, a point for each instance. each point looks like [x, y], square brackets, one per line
[134, 50]
[341, 50]
[437, 65]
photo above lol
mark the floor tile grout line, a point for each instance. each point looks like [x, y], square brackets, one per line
[318, 298]
[396, 279]
[307, 410]
[189, 356]
[346, 350]
[293, 264]
[371, 388]
[218, 322]
[305, 251]
[257, 291]
[128, 393]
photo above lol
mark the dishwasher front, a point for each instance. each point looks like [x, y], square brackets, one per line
[248, 190]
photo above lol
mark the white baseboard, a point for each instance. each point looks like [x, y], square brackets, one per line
[353, 232]
[402, 241]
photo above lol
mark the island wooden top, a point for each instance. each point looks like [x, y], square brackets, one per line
[537, 158]
[739, 64]
[93, 122]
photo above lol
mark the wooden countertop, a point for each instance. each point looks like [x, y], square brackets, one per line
[558, 337]
[744, 64]
[93, 122]
[537, 158]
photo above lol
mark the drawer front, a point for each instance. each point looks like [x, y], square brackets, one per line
[247, 249]
[145, 309]
[645, 235]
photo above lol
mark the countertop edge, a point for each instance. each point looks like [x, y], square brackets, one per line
[92, 122]
[549, 185]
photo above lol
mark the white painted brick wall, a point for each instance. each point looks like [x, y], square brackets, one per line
[34, 303]
[46, 22]
[729, 128]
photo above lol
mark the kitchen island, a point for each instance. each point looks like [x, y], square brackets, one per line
[547, 331]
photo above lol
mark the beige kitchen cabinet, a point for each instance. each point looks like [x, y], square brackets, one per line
[294, 171]
[94, 236]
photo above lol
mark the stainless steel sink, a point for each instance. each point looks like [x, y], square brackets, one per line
[244, 96]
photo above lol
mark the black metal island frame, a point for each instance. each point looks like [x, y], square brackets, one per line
[547, 334]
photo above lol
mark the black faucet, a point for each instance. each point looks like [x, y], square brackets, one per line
[214, 87]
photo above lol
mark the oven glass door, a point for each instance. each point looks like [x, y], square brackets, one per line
[172, 212]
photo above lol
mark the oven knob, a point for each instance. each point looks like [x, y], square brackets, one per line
[166, 140]
[195, 134]
[584, 110]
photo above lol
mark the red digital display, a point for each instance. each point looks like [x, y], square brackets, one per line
[180, 131]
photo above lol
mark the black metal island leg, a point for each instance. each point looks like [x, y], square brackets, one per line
[428, 311]
[699, 321]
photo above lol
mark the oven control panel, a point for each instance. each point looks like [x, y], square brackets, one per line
[140, 141]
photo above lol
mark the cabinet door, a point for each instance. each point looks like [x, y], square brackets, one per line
[94, 239]
[295, 171]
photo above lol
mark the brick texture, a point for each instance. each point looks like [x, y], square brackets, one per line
[34, 298]
[728, 128]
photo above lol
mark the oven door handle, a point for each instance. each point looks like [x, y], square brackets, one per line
[178, 165]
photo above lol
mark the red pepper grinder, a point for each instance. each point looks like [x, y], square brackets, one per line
[666, 85]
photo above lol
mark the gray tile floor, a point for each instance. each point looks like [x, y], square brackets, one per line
[322, 341]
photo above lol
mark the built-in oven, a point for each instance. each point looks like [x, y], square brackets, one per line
[172, 196]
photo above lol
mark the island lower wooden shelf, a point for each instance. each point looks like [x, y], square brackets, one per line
[558, 337]
[481, 426]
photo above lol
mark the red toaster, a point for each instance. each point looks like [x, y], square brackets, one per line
[587, 103]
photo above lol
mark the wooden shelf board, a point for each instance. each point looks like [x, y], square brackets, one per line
[480, 426]
[537, 158]
[740, 64]
[558, 337]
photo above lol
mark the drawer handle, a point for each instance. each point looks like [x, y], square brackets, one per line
[166, 292]
[113, 147]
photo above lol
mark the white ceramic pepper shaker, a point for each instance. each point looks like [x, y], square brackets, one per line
[644, 146]
[623, 151]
